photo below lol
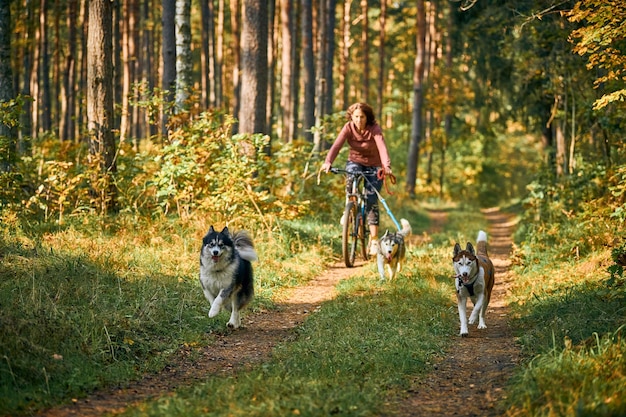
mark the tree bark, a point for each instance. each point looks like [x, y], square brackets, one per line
[365, 92]
[252, 112]
[100, 100]
[382, 57]
[168, 53]
[184, 64]
[308, 69]
[8, 146]
[286, 77]
[235, 26]
[345, 55]
[66, 131]
[417, 119]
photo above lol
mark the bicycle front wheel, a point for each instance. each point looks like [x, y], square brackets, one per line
[362, 237]
[350, 234]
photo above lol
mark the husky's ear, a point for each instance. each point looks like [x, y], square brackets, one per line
[386, 233]
[470, 248]
[225, 231]
[211, 229]
[457, 249]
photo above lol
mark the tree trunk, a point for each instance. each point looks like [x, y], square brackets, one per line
[252, 112]
[168, 52]
[329, 45]
[382, 57]
[286, 77]
[8, 147]
[27, 124]
[272, 47]
[345, 55]
[447, 124]
[44, 69]
[184, 64]
[320, 82]
[366, 52]
[235, 20]
[66, 131]
[100, 101]
[308, 69]
[219, 56]
[207, 67]
[417, 119]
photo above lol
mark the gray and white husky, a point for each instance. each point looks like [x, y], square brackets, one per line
[226, 272]
[392, 250]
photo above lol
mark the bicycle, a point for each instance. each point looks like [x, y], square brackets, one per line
[355, 229]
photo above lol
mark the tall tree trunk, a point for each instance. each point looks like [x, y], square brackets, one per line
[417, 119]
[252, 112]
[345, 55]
[447, 124]
[235, 26]
[207, 54]
[69, 78]
[44, 69]
[8, 145]
[168, 52]
[184, 64]
[128, 55]
[100, 101]
[365, 45]
[308, 69]
[219, 56]
[382, 57]
[272, 47]
[296, 59]
[26, 128]
[329, 44]
[286, 77]
[320, 82]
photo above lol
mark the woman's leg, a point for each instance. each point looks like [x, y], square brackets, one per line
[373, 215]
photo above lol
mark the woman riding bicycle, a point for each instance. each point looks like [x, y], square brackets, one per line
[368, 151]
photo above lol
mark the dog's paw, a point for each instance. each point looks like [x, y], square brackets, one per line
[234, 325]
[215, 309]
[464, 334]
[472, 319]
[482, 326]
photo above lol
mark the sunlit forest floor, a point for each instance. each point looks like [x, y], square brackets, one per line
[469, 379]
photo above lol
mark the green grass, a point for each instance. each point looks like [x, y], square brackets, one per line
[92, 304]
[348, 358]
[571, 323]
[87, 305]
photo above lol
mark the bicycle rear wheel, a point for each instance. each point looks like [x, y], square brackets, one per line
[349, 236]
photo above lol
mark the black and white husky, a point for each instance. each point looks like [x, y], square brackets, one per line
[392, 250]
[226, 272]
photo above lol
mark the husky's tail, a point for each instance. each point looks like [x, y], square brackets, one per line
[245, 246]
[481, 244]
[406, 228]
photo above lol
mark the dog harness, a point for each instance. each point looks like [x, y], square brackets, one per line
[470, 286]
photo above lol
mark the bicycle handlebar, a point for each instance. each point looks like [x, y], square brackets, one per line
[370, 171]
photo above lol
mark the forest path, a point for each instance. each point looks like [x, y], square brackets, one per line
[462, 375]
[470, 379]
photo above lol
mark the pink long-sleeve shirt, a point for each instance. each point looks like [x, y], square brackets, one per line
[367, 148]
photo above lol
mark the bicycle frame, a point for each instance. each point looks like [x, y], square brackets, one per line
[355, 230]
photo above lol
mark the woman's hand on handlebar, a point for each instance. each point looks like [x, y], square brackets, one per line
[325, 167]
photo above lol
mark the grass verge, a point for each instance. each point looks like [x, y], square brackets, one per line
[571, 322]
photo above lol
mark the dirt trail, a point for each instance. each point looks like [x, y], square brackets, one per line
[469, 380]
[463, 375]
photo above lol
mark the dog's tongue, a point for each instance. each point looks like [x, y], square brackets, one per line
[215, 258]
[389, 257]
